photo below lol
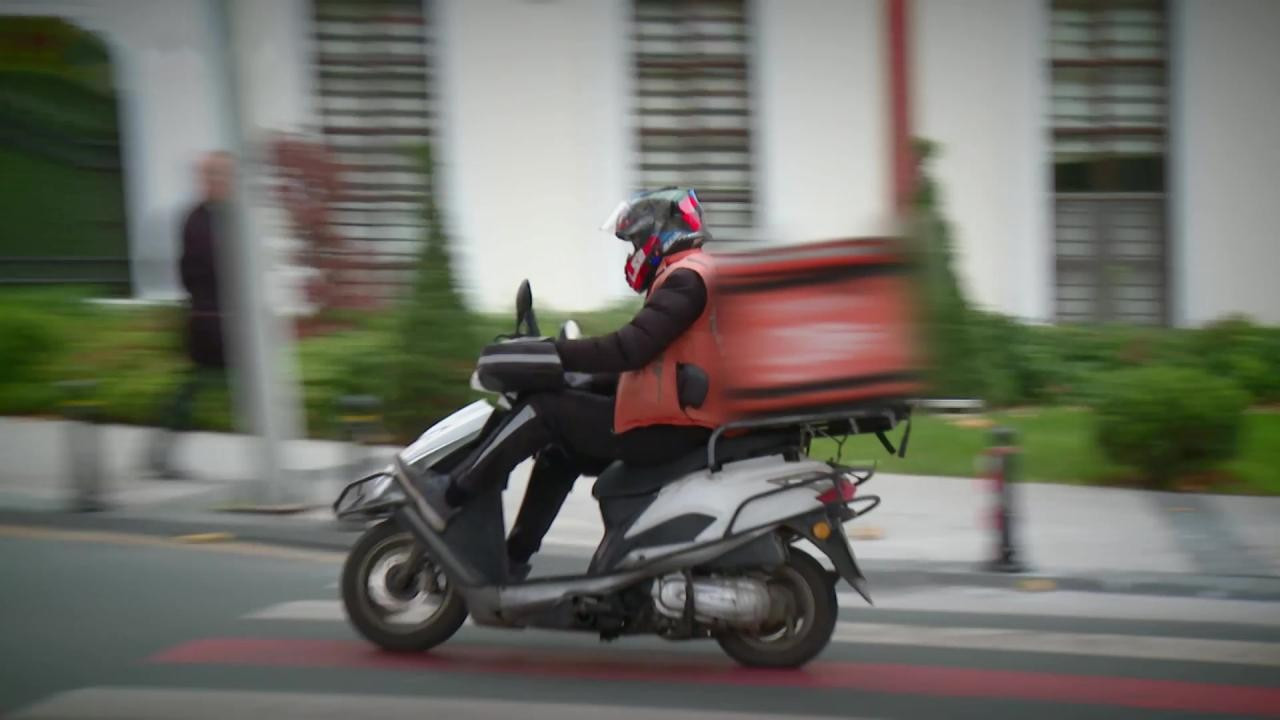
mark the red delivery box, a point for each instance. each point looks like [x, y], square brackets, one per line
[824, 326]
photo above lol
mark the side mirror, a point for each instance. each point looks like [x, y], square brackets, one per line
[524, 310]
[570, 331]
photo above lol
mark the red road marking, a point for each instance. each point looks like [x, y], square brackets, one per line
[870, 677]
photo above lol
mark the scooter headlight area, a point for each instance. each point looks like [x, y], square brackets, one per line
[370, 497]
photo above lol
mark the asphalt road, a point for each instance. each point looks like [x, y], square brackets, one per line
[100, 625]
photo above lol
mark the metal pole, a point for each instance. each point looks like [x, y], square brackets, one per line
[898, 42]
[1003, 456]
[258, 346]
[84, 446]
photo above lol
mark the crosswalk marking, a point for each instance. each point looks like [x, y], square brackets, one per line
[1074, 604]
[145, 703]
[1036, 641]
[313, 610]
[961, 638]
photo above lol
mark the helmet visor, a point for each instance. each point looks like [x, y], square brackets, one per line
[610, 223]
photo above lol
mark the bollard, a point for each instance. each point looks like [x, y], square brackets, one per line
[361, 421]
[1002, 466]
[84, 445]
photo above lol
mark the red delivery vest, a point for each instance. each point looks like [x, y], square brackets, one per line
[649, 396]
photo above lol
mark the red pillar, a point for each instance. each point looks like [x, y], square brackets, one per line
[897, 13]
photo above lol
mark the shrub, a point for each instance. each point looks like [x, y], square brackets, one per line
[1169, 421]
[38, 329]
[1020, 365]
[434, 344]
[357, 362]
[1235, 348]
[27, 342]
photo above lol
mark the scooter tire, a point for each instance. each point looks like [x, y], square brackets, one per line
[821, 609]
[360, 607]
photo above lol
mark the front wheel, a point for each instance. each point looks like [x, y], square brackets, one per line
[396, 598]
[802, 622]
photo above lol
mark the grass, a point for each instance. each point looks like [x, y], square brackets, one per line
[1057, 446]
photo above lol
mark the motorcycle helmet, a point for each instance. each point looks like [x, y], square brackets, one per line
[657, 223]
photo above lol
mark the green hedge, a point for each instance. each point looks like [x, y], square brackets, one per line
[46, 336]
[1026, 364]
[1169, 422]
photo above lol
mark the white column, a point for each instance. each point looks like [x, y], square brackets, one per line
[1225, 155]
[820, 120]
[981, 83]
[533, 145]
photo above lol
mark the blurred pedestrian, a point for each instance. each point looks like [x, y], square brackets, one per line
[199, 270]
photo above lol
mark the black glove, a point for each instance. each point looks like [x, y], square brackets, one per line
[520, 366]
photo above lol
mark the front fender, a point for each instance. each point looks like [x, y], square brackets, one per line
[835, 546]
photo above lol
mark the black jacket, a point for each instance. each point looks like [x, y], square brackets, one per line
[669, 311]
[199, 271]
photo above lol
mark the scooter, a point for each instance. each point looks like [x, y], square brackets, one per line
[723, 543]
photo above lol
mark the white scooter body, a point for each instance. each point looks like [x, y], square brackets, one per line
[725, 494]
[738, 504]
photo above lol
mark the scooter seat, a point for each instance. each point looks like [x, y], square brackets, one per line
[623, 480]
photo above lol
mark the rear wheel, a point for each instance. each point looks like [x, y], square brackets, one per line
[396, 598]
[801, 623]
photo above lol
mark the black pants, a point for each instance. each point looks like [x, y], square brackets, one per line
[550, 482]
[179, 413]
[572, 433]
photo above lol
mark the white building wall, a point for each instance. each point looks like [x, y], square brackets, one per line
[980, 91]
[535, 142]
[821, 119]
[1226, 159]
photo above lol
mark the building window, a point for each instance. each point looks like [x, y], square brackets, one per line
[692, 106]
[1110, 99]
[375, 107]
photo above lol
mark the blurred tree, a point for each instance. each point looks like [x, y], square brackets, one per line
[955, 349]
[309, 183]
[436, 343]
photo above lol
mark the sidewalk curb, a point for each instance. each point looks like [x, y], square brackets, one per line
[336, 535]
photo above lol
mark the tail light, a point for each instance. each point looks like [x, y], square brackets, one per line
[842, 492]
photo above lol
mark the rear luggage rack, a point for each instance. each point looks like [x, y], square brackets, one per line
[831, 423]
[864, 503]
